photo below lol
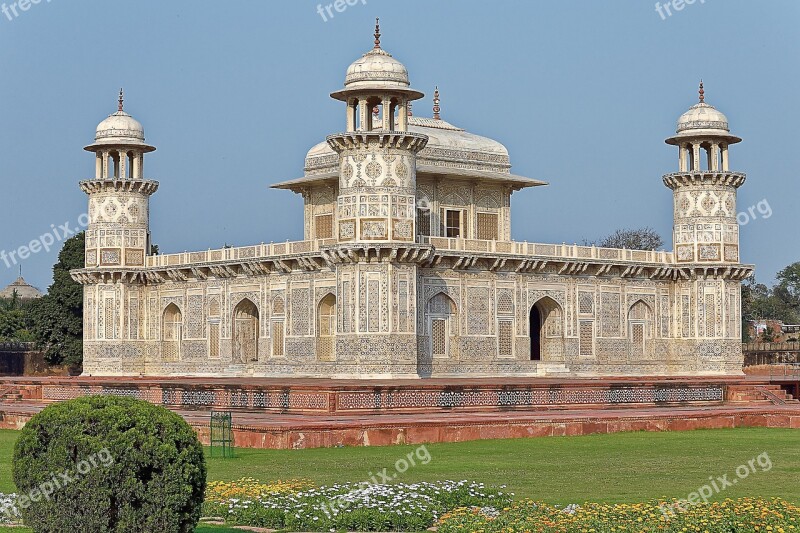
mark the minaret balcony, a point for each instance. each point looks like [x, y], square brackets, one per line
[705, 177]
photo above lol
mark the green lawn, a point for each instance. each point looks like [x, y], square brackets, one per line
[621, 467]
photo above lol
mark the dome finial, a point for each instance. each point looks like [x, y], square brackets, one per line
[436, 108]
[121, 100]
[377, 32]
[702, 92]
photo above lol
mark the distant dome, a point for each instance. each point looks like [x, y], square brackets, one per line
[23, 289]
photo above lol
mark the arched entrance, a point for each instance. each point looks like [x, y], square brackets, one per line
[442, 324]
[536, 334]
[546, 330]
[245, 332]
[171, 333]
[326, 328]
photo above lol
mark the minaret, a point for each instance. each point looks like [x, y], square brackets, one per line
[377, 153]
[704, 190]
[118, 235]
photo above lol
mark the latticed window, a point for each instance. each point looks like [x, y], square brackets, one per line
[277, 338]
[109, 318]
[324, 226]
[637, 339]
[711, 330]
[278, 306]
[424, 222]
[586, 337]
[487, 226]
[505, 338]
[439, 337]
[585, 303]
[505, 303]
[327, 328]
[213, 339]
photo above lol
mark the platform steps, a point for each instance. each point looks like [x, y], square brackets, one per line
[19, 393]
[760, 395]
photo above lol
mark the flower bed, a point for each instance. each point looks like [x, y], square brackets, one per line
[353, 507]
[728, 516]
[9, 513]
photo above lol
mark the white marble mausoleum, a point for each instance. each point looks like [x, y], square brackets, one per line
[408, 268]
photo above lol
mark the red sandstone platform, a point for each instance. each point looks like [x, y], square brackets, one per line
[307, 413]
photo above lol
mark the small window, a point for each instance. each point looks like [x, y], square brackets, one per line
[452, 223]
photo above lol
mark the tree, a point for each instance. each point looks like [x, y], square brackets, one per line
[57, 317]
[109, 464]
[787, 292]
[632, 239]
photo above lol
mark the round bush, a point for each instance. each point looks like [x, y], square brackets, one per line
[109, 464]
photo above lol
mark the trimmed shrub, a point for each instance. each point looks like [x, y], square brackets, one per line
[109, 464]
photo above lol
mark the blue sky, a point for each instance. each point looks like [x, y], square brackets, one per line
[234, 93]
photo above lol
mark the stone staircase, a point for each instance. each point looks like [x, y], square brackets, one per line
[759, 394]
[19, 393]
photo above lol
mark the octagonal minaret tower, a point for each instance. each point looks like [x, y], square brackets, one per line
[118, 235]
[704, 190]
[377, 153]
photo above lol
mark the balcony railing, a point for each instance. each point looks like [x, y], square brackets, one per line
[242, 253]
[559, 251]
[555, 251]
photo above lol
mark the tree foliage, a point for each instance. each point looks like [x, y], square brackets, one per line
[110, 465]
[632, 239]
[780, 302]
[15, 322]
[57, 317]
